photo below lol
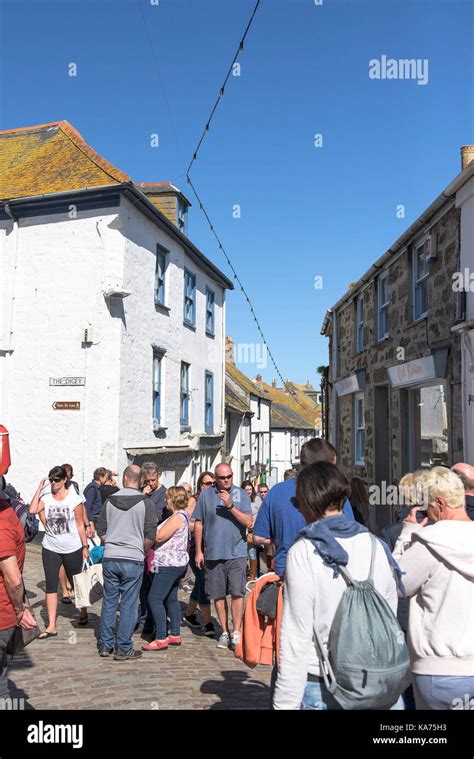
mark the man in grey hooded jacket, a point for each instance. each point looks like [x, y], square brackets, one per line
[127, 527]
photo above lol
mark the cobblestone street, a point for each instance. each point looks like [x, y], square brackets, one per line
[67, 673]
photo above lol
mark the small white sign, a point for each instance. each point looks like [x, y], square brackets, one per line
[67, 381]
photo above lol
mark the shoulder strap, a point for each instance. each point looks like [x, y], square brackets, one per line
[372, 558]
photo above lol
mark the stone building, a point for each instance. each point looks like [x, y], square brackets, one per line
[396, 397]
[112, 322]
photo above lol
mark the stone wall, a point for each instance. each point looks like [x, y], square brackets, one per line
[417, 339]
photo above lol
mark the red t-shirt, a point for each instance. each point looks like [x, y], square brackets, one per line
[12, 543]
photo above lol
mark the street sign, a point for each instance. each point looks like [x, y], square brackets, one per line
[67, 406]
[67, 381]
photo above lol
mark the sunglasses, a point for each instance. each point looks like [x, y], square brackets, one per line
[228, 477]
[209, 482]
[55, 479]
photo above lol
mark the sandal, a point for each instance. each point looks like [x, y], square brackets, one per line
[156, 645]
[45, 635]
[67, 599]
[83, 620]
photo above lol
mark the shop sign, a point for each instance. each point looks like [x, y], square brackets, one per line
[412, 372]
[347, 385]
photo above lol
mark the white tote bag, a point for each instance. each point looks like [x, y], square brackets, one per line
[88, 585]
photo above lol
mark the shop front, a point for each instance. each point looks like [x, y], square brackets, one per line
[424, 403]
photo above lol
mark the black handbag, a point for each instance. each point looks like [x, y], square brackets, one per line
[22, 637]
[267, 600]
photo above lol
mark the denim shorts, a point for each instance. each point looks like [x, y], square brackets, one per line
[443, 692]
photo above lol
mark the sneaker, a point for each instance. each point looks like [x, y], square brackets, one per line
[105, 651]
[127, 655]
[235, 640]
[210, 630]
[174, 640]
[223, 641]
[191, 621]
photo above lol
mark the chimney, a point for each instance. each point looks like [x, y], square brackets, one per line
[467, 155]
[274, 383]
[258, 378]
[230, 351]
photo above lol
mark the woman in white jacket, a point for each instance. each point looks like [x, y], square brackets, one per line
[314, 586]
[438, 560]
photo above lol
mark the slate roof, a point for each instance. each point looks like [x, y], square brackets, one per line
[234, 402]
[283, 417]
[295, 409]
[244, 382]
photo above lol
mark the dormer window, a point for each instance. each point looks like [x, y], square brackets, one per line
[182, 216]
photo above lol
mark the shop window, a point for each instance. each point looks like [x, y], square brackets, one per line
[427, 426]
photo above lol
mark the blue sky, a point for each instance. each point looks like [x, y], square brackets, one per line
[305, 211]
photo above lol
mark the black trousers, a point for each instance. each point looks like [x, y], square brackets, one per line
[72, 563]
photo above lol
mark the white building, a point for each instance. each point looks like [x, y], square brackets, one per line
[112, 322]
[248, 443]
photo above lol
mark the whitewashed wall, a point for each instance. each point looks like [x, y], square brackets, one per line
[60, 268]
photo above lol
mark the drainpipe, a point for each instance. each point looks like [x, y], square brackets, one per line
[223, 425]
[334, 363]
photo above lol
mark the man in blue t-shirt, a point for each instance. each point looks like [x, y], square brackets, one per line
[279, 520]
[222, 516]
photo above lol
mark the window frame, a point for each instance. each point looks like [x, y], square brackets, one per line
[211, 312]
[157, 387]
[209, 402]
[184, 396]
[359, 323]
[192, 298]
[419, 282]
[161, 255]
[358, 427]
[383, 307]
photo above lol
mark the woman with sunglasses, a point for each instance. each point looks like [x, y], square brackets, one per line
[65, 543]
[198, 596]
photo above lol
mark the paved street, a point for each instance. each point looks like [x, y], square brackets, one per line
[67, 673]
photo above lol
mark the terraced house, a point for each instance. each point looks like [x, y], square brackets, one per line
[112, 322]
[400, 347]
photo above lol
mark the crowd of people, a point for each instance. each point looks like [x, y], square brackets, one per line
[216, 542]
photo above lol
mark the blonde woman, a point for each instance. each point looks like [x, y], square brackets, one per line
[171, 561]
[438, 562]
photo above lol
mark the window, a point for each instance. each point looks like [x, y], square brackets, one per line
[420, 260]
[382, 305]
[182, 214]
[184, 406]
[359, 324]
[209, 402]
[160, 276]
[210, 299]
[359, 429]
[157, 362]
[189, 298]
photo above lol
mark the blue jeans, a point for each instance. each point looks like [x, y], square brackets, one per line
[163, 600]
[145, 617]
[442, 692]
[198, 594]
[317, 697]
[122, 580]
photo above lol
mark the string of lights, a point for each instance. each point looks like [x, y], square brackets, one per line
[155, 59]
[203, 209]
